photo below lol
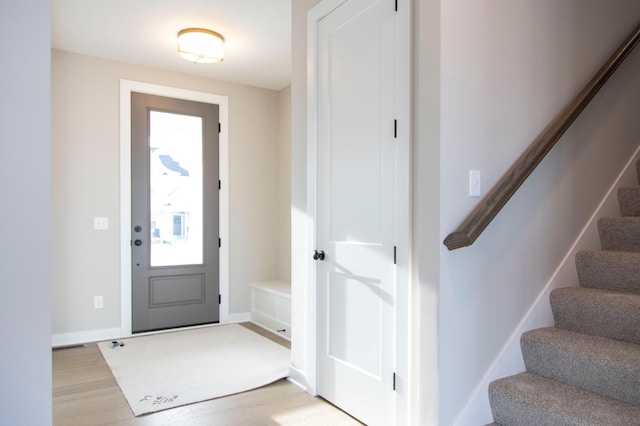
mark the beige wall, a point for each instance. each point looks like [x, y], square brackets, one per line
[85, 184]
[284, 184]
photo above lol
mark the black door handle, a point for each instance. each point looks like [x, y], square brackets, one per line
[318, 255]
[138, 242]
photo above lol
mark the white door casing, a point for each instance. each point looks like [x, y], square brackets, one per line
[359, 204]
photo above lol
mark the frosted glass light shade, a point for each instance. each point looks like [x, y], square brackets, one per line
[200, 46]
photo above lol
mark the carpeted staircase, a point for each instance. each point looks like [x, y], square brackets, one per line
[586, 369]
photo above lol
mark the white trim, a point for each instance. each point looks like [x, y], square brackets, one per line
[80, 337]
[239, 317]
[126, 87]
[66, 339]
[405, 366]
[313, 17]
[272, 330]
[509, 359]
[298, 378]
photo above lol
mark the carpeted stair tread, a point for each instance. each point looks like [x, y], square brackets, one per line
[598, 312]
[609, 270]
[629, 200]
[604, 366]
[585, 371]
[527, 399]
[619, 233]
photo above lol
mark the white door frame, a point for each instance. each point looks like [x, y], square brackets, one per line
[126, 87]
[405, 366]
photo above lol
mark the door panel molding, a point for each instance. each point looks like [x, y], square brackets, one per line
[126, 87]
[160, 286]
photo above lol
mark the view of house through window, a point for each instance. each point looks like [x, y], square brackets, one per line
[176, 184]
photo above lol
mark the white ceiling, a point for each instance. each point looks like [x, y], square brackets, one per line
[257, 35]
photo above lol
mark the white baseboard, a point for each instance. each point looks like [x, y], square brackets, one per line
[79, 337]
[271, 324]
[88, 336]
[238, 317]
[298, 378]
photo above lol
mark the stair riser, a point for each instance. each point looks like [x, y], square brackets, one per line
[615, 271]
[629, 201]
[586, 370]
[596, 312]
[507, 411]
[529, 400]
[620, 234]
[592, 369]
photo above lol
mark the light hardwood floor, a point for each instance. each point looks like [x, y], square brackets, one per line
[86, 394]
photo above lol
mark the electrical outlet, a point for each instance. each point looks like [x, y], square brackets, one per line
[474, 183]
[98, 302]
[101, 223]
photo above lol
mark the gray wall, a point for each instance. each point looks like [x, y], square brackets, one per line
[426, 209]
[85, 183]
[25, 261]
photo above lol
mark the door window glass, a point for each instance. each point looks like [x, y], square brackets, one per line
[176, 189]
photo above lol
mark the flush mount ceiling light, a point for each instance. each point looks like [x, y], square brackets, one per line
[200, 46]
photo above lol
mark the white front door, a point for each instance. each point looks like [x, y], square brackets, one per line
[356, 203]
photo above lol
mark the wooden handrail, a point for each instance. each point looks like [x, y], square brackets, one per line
[504, 189]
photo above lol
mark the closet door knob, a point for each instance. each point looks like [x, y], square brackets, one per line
[318, 255]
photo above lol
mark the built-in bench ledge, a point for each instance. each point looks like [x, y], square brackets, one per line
[271, 306]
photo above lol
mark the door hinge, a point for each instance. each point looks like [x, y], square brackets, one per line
[394, 381]
[394, 254]
[396, 5]
[219, 127]
[219, 184]
[219, 299]
[395, 128]
[219, 242]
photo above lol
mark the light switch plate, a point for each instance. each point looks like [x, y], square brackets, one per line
[474, 183]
